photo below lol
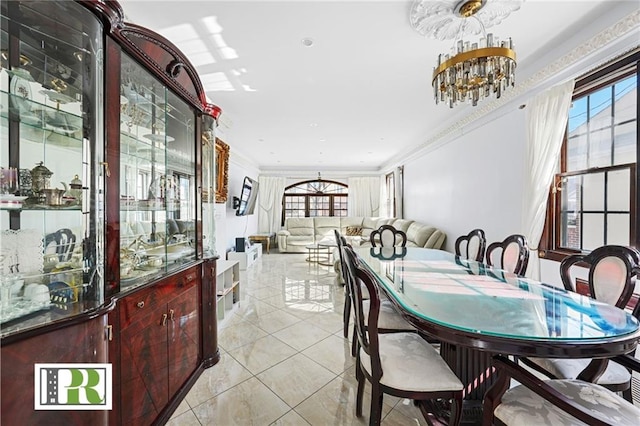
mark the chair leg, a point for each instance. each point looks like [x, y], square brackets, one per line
[456, 410]
[360, 392]
[375, 414]
[626, 394]
[354, 342]
[346, 315]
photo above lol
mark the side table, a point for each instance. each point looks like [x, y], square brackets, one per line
[265, 238]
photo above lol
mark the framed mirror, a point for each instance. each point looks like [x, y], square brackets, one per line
[222, 171]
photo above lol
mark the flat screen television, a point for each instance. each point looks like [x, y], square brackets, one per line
[246, 204]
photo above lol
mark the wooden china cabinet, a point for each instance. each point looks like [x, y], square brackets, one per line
[107, 187]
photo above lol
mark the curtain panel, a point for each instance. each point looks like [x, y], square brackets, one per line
[270, 203]
[364, 196]
[547, 116]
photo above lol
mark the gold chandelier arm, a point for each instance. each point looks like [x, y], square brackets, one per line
[484, 52]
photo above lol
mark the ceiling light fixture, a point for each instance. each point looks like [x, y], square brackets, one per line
[471, 71]
[307, 42]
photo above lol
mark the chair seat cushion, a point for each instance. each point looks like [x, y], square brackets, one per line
[389, 318]
[521, 406]
[570, 369]
[410, 363]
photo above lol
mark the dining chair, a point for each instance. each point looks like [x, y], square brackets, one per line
[471, 246]
[346, 315]
[388, 236]
[612, 279]
[511, 255]
[389, 320]
[399, 364]
[64, 241]
[557, 401]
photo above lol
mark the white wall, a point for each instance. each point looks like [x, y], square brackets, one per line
[228, 225]
[473, 182]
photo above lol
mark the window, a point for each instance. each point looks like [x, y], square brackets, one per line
[594, 200]
[390, 193]
[314, 198]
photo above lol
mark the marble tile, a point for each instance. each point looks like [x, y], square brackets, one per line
[333, 353]
[264, 292]
[301, 335]
[239, 335]
[335, 404]
[188, 418]
[275, 321]
[290, 419]
[396, 418]
[328, 321]
[225, 374]
[277, 301]
[251, 308]
[295, 378]
[406, 409]
[183, 407]
[263, 353]
[249, 403]
[306, 309]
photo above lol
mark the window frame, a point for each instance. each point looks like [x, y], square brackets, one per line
[549, 247]
[308, 196]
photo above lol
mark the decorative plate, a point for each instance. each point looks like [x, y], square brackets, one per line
[21, 91]
[21, 73]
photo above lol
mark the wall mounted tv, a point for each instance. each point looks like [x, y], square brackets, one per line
[246, 204]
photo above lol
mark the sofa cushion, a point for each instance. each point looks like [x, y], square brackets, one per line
[325, 227]
[300, 226]
[402, 224]
[419, 233]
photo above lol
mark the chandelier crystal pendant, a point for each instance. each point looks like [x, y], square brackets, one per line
[472, 71]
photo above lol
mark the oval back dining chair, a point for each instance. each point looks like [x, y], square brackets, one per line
[612, 279]
[399, 364]
[471, 246]
[388, 236]
[511, 255]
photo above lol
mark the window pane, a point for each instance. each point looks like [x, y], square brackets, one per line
[600, 106]
[578, 116]
[593, 231]
[593, 192]
[618, 229]
[577, 152]
[570, 231]
[625, 143]
[600, 148]
[618, 190]
[626, 97]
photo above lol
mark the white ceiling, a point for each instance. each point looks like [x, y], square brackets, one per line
[358, 98]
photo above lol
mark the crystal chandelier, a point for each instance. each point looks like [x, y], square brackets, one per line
[471, 71]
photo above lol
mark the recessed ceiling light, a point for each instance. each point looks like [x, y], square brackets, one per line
[307, 42]
[313, 125]
[260, 140]
[323, 140]
[272, 153]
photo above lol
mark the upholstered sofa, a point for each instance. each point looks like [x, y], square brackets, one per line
[299, 232]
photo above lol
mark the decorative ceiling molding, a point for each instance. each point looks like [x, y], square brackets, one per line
[620, 29]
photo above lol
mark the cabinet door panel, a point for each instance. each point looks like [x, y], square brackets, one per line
[144, 375]
[184, 333]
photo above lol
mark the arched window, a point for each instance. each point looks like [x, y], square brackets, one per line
[312, 198]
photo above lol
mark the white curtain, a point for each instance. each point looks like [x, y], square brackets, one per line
[399, 190]
[547, 116]
[270, 202]
[364, 196]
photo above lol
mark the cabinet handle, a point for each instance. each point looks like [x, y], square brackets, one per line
[140, 304]
[171, 314]
[164, 319]
[110, 332]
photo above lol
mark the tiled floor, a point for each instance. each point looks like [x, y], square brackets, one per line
[284, 359]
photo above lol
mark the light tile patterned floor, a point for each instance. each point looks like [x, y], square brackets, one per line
[284, 358]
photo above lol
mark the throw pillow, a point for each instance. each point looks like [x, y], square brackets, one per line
[352, 231]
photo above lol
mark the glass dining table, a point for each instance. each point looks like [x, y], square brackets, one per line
[476, 312]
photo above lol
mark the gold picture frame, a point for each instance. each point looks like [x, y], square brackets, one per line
[222, 171]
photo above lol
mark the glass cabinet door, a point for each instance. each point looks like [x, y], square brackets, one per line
[208, 186]
[51, 145]
[157, 178]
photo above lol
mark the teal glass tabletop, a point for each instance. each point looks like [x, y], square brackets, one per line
[460, 294]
